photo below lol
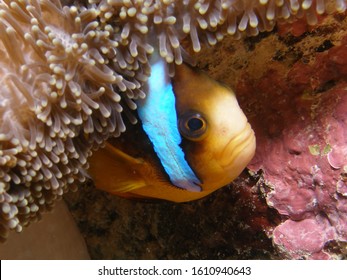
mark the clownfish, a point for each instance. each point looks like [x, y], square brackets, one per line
[192, 139]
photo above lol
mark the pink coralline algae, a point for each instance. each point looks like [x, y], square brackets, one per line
[300, 119]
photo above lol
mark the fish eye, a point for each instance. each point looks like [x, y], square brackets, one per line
[193, 126]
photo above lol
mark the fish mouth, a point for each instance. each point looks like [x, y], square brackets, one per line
[243, 142]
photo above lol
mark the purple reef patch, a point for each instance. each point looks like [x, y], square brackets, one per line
[305, 237]
[300, 119]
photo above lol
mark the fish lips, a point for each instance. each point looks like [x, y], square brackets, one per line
[239, 150]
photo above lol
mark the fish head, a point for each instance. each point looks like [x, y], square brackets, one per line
[217, 139]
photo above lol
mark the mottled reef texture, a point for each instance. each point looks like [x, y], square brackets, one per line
[292, 203]
[221, 226]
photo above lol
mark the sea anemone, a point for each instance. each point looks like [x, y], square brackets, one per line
[60, 96]
[68, 73]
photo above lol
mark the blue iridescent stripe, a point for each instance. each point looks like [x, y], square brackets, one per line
[159, 119]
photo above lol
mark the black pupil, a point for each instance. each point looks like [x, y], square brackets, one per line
[195, 124]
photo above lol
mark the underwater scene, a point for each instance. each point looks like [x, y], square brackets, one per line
[194, 129]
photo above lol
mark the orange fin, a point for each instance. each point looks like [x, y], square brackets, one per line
[115, 171]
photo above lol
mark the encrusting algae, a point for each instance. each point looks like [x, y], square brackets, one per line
[68, 73]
